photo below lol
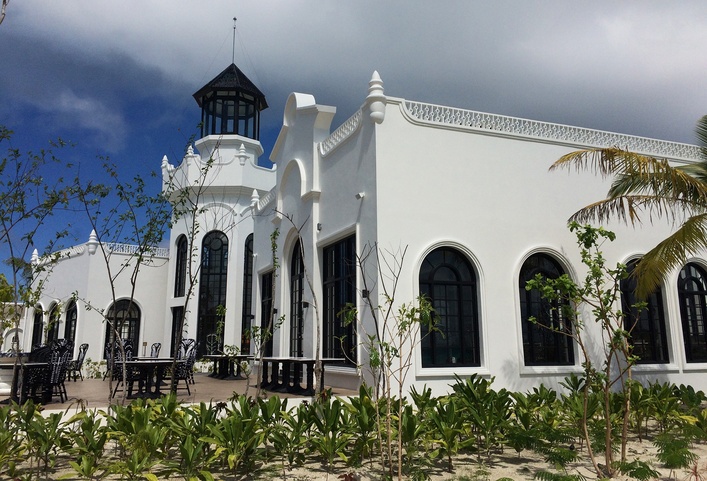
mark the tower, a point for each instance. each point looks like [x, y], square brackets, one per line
[231, 104]
[220, 175]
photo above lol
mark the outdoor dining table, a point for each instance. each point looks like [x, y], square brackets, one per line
[150, 374]
[292, 373]
[20, 371]
[227, 366]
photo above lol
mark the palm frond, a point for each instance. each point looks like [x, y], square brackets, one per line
[606, 161]
[670, 253]
[630, 208]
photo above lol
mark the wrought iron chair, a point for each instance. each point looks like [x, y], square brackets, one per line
[35, 378]
[185, 370]
[155, 349]
[61, 350]
[76, 364]
[117, 365]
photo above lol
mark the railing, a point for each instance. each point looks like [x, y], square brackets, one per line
[338, 136]
[131, 249]
[436, 114]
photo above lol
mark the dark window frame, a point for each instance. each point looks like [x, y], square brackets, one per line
[180, 274]
[296, 301]
[449, 281]
[213, 280]
[692, 297]
[647, 327]
[129, 325]
[542, 346]
[340, 340]
[247, 310]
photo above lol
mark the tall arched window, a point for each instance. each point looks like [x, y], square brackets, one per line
[339, 338]
[247, 311]
[448, 280]
[180, 274]
[296, 293]
[646, 326]
[268, 314]
[54, 321]
[123, 316]
[38, 327]
[546, 342]
[692, 294]
[212, 287]
[70, 322]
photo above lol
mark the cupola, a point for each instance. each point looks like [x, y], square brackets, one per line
[230, 105]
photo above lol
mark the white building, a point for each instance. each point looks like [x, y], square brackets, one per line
[466, 196]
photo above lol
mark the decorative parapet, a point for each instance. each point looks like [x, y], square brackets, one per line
[266, 200]
[131, 249]
[500, 124]
[338, 136]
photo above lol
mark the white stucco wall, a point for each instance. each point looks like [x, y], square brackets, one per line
[486, 192]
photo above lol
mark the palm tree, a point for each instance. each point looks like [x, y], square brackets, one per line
[644, 185]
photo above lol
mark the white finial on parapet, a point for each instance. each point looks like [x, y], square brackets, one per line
[254, 199]
[35, 257]
[376, 98]
[242, 154]
[92, 243]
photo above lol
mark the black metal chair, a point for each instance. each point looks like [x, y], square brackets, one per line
[155, 349]
[131, 375]
[61, 350]
[76, 364]
[35, 378]
[185, 370]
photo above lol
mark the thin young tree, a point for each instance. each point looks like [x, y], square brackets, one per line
[123, 212]
[572, 305]
[27, 202]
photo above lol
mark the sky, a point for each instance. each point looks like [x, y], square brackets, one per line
[116, 78]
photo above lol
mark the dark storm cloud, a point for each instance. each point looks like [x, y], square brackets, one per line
[633, 67]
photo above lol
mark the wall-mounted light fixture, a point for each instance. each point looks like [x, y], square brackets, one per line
[319, 226]
[364, 293]
[360, 195]
[305, 305]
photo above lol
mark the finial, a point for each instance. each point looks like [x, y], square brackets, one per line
[254, 199]
[92, 242]
[233, 55]
[190, 150]
[376, 98]
[242, 154]
[35, 257]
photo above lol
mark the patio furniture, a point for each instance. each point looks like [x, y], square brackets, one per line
[117, 366]
[185, 370]
[155, 349]
[61, 350]
[76, 364]
[35, 375]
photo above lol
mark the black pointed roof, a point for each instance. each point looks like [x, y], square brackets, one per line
[232, 79]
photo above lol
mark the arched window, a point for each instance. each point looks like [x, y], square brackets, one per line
[247, 311]
[123, 317]
[545, 343]
[38, 327]
[692, 294]
[646, 326]
[54, 321]
[212, 287]
[70, 322]
[296, 293]
[180, 275]
[267, 314]
[448, 280]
